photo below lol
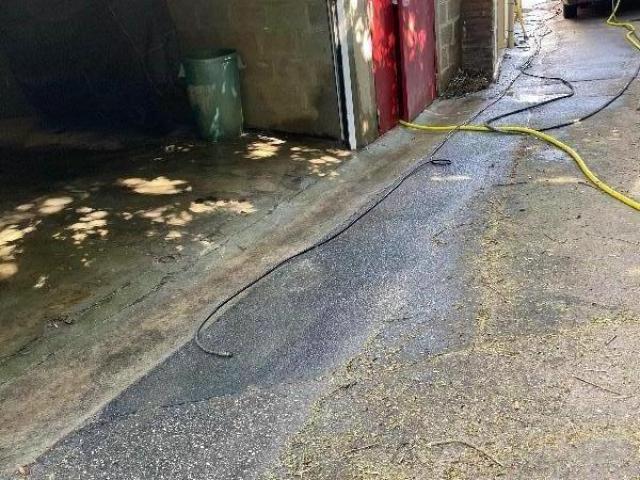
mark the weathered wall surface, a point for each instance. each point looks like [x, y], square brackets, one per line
[448, 39]
[358, 33]
[479, 49]
[289, 81]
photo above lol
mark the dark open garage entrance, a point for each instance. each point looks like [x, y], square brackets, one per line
[94, 62]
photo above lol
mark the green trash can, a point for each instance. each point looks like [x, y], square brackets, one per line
[213, 85]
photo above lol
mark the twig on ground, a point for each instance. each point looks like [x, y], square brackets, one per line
[611, 340]
[440, 232]
[595, 385]
[510, 184]
[469, 445]
[449, 227]
[623, 240]
[398, 319]
[365, 447]
[554, 239]
[587, 184]
[347, 385]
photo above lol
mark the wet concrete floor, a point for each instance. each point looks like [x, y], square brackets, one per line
[76, 227]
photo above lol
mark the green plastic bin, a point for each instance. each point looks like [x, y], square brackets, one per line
[213, 85]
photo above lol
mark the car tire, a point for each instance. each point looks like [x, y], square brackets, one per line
[569, 11]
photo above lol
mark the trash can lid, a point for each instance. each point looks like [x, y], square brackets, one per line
[208, 54]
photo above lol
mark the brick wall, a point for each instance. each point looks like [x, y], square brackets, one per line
[448, 39]
[479, 50]
[289, 82]
[466, 37]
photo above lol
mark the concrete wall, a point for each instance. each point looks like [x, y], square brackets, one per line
[448, 40]
[289, 81]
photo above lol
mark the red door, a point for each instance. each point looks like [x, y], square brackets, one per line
[403, 37]
[417, 55]
[384, 36]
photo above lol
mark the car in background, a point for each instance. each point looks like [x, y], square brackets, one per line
[570, 7]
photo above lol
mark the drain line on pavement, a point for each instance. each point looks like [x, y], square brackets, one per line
[450, 130]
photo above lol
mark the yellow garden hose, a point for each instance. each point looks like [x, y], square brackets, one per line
[613, 21]
[549, 139]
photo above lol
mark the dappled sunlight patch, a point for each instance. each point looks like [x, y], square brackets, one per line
[203, 240]
[321, 163]
[16, 219]
[179, 219]
[331, 174]
[364, 126]
[318, 166]
[155, 214]
[264, 147]
[173, 235]
[23, 220]
[362, 31]
[41, 282]
[92, 224]
[157, 186]
[6, 251]
[232, 206]
[86, 261]
[25, 207]
[54, 205]
[339, 153]
[10, 234]
[8, 247]
[9, 238]
[8, 270]
[29, 213]
[324, 160]
[301, 153]
[166, 214]
[173, 215]
[94, 215]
